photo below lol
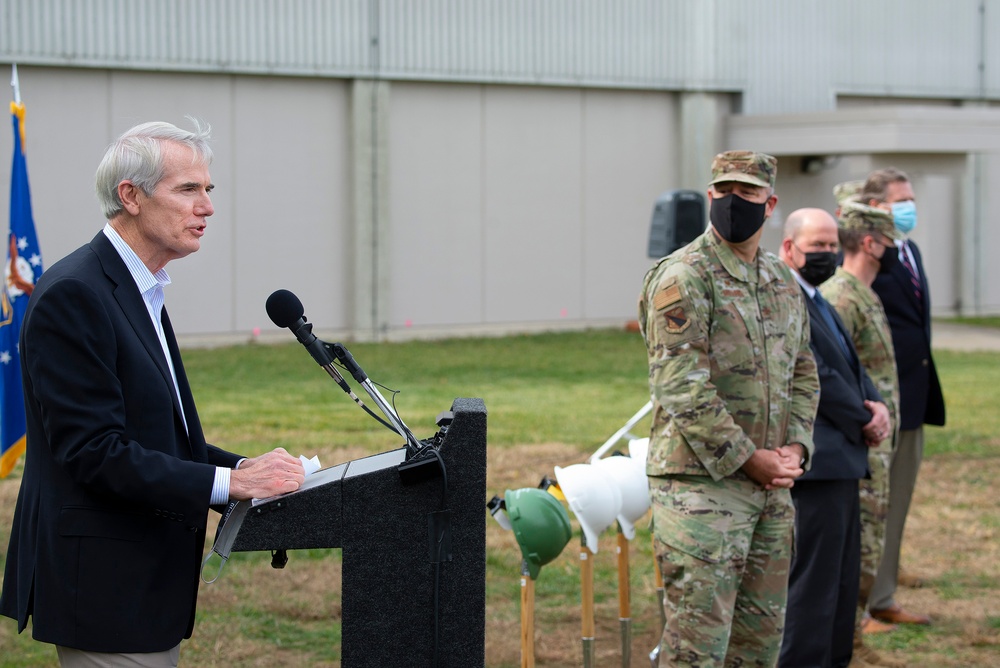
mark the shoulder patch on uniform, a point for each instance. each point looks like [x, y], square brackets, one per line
[667, 296]
[677, 320]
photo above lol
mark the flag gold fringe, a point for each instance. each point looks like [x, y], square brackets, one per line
[9, 458]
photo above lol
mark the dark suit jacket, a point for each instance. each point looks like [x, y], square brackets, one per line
[109, 526]
[844, 385]
[920, 397]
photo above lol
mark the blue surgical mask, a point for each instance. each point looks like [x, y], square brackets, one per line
[904, 215]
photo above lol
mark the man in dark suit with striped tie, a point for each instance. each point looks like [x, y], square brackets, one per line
[906, 299]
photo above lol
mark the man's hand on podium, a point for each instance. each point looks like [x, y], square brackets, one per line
[270, 474]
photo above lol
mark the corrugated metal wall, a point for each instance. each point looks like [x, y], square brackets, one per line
[907, 48]
[260, 36]
[783, 55]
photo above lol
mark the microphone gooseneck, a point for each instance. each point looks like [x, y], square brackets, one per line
[285, 310]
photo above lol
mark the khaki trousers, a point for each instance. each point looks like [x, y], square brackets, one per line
[902, 481]
[76, 658]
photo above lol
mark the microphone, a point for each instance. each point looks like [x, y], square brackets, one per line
[285, 310]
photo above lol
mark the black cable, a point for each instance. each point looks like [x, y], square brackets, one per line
[444, 476]
[413, 446]
[347, 388]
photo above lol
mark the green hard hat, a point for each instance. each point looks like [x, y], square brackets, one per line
[541, 526]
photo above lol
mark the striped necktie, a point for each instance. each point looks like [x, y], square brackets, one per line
[904, 256]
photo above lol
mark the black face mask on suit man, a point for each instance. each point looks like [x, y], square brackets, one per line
[819, 266]
[736, 219]
[889, 259]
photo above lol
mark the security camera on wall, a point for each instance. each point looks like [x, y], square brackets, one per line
[678, 219]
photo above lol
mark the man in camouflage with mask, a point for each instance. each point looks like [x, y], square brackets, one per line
[866, 236]
[735, 393]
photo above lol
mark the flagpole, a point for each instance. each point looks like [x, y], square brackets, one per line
[24, 262]
[15, 84]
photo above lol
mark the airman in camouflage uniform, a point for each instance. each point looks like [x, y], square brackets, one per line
[735, 393]
[863, 230]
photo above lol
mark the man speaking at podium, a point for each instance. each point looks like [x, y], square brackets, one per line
[109, 526]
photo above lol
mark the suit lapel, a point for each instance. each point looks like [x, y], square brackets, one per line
[134, 309]
[814, 315]
[190, 412]
[918, 262]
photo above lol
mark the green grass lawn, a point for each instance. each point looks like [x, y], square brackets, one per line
[567, 388]
[979, 321]
[568, 391]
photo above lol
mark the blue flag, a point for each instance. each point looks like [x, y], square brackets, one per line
[23, 267]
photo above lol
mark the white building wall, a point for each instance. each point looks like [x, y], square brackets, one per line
[436, 204]
[982, 240]
[514, 206]
[282, 200]
[509, 207]
[290, 207]
[631, 144]
[524, 143]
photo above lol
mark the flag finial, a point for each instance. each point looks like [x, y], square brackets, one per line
[15, 84]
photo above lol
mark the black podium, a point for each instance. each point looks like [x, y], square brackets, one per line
[413, 542]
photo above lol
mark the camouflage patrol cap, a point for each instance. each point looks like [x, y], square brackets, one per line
[864, 218]
[847, 190]
[757, 169]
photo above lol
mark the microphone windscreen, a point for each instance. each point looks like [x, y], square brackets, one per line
[284, 308]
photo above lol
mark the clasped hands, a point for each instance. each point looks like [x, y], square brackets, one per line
[878, 428]
[776, 468]
[272, 473]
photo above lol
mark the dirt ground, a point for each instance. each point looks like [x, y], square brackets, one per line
[951, 540]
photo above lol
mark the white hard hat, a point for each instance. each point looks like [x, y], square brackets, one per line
[592, 498]
[638, 448]
[629, 476]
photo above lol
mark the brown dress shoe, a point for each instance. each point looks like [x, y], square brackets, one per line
[896, 615]
[871, 625]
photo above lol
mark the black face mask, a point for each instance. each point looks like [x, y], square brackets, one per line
[818, 267]
[736, 219]
[889, 259]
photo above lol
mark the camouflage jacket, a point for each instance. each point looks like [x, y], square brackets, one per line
[730, 369]
[861, 310]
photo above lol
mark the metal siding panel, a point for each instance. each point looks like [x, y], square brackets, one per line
[789, 73]
[786, 55]
[908, 48]
[436, 205]
[990, 79]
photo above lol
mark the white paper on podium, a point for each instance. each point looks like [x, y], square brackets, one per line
[310, 465]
